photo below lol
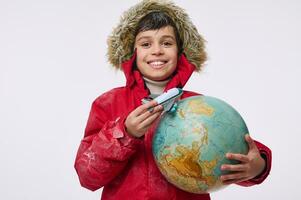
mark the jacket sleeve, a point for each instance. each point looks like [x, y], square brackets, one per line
[266, 154]
[105, 149]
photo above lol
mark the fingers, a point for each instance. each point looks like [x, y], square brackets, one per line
[143, 108]
[250, 141]
[139, 120]
[243, 171]
[237, 173]
[231, 181]
[149, 120]
[154, 111]
[238, 157]
[234, 168]
[232, 177]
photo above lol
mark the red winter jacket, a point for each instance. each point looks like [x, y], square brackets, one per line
[109, 157]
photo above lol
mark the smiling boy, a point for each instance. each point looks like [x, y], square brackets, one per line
[157, 53]
[158, 48]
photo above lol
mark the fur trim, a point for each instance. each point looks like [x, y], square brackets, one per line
[122, 39]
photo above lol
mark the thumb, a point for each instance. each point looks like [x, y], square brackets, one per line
[250, 141]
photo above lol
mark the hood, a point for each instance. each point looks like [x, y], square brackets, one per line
[122, 38]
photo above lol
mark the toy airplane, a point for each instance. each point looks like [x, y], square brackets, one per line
[167, 99]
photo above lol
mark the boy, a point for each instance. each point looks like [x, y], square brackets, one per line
[158, 48]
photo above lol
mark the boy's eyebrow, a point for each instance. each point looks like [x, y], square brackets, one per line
[143, 37]
[163, 36]
[169, 36]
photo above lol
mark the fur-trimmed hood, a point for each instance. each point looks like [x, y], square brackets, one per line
[122, 38]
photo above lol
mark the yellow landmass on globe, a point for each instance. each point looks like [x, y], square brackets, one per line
[188, 166]
[200, 129]
[181, 113]
[199, 107]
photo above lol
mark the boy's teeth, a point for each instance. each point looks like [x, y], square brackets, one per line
[157, 63]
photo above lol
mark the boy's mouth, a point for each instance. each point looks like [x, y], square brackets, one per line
[157, 64]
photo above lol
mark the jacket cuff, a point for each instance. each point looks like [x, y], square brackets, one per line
[123, 136]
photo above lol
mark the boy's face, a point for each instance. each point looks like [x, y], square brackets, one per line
[157, 53]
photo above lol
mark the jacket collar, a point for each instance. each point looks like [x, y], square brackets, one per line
[179, 79]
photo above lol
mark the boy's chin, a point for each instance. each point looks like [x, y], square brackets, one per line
[159, 78]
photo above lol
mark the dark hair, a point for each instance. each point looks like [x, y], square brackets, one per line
[156, 20]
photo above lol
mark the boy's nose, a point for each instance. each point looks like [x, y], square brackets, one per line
[157, 49]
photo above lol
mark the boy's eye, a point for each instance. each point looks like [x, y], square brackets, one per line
[167, 44]
[145, 44]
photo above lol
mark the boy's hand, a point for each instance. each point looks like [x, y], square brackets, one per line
[250, 166]
[139, 120]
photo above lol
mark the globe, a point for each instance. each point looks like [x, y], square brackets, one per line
[190, 144]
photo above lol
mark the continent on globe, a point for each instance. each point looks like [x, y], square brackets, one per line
[190, 145]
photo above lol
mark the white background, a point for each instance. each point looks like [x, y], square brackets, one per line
[53, 64]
